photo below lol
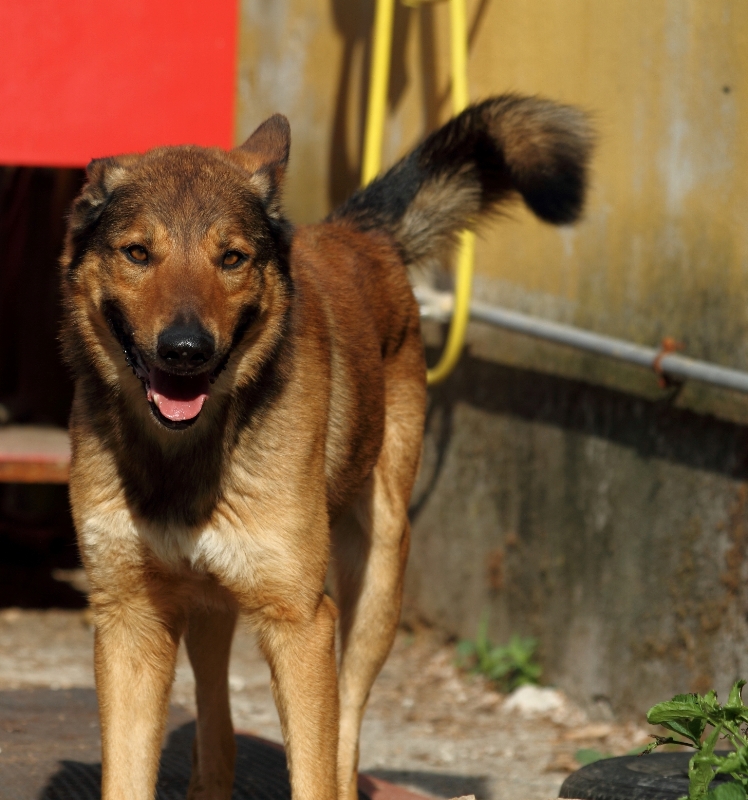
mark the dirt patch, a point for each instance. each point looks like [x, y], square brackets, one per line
[428, 727]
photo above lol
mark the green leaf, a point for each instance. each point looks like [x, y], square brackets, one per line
[734, 762]
[466, 648]
[711, 707]
[707, 748]
[727, 791]
[497, 672]
[700, 774]
[521, 650]
[682, 708]
[735, 709]
[735, 700]
[588, 755]
[685, 729]
[696, 727]
[509, 665]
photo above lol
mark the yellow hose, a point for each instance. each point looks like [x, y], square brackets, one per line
[465, 255]
[380, 72]
[378, 83]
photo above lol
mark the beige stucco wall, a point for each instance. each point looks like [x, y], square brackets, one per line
[664, 81]
[615, 509]
[663, 249]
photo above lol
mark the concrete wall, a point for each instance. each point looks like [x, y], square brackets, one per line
[567, 496]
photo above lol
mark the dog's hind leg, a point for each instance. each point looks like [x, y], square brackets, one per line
[369, 562]
[208, 639]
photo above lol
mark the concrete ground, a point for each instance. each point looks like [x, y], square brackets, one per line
[429, 726]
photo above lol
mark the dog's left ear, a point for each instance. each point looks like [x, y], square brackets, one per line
[103, 175]
[265, 155]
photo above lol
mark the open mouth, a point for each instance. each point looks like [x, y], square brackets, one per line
[175, 400]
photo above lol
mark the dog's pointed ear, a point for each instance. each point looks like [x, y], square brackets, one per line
[103, 176]
[265, 155]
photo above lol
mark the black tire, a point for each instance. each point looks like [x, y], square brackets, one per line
[658, 776]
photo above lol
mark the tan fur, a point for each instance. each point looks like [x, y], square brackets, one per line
[248, 528]
[303, 457]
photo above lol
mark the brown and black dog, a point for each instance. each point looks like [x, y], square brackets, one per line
[249, 409]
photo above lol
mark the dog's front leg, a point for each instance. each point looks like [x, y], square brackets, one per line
[135, 650]
[301, 655]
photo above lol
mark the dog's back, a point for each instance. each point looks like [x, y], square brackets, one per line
[505, 146]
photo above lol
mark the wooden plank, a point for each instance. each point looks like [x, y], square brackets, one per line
[25, 472]
[34, 454]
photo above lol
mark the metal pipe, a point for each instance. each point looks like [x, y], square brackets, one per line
[437, 305]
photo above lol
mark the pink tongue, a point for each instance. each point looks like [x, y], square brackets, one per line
[178, 398]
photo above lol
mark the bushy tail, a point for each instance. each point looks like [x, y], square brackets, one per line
[476, 161]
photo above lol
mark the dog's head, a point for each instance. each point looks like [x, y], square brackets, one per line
[175, 268]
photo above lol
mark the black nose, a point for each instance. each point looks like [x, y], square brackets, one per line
[185, 346]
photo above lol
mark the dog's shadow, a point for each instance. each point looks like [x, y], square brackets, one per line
[261, 772]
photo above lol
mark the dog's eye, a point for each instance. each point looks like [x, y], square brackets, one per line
[233, 258]
[136, 253]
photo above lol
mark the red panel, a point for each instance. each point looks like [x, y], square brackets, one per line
[86, 78]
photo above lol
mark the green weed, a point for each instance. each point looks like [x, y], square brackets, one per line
[689, 716]
[508, 666]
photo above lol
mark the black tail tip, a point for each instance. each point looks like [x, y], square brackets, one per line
[547, 147]
[557, 198]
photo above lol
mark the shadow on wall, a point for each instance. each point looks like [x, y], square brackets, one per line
[653, 429]
[354, 22]
[611, 527]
